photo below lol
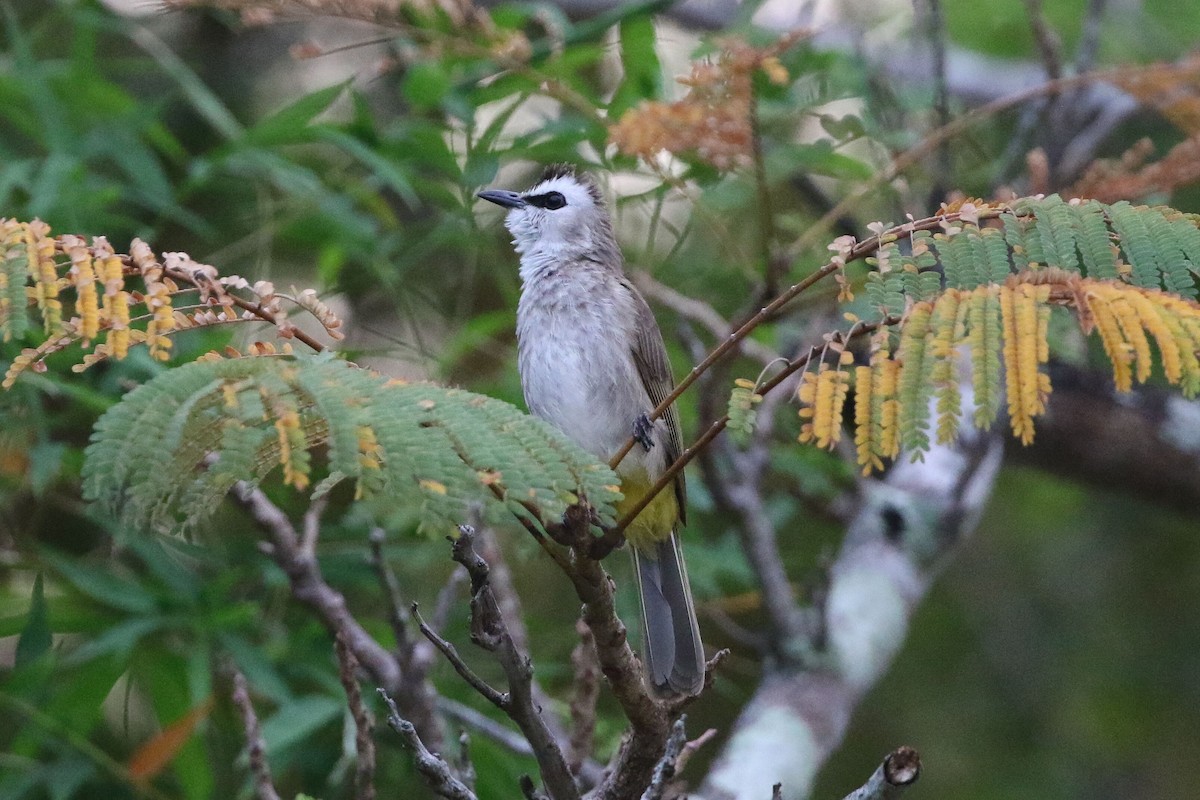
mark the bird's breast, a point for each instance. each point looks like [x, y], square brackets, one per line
[576, 363]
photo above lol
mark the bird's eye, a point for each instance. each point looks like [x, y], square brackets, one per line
[554, 200]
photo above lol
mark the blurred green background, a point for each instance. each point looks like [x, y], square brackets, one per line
[1057, 656]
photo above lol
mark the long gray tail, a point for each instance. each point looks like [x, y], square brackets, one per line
[674, 654]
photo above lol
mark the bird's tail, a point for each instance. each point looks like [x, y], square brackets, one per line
[674, 654]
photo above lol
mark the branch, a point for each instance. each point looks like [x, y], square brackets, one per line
[899, 770]
[433, 768]
[489, 630]
[364, 745]
[1142, 442]
[509, 604]
[630, 769]
[664, 771]
[264, 788]
[484, 724]
[583, 701]
[309, 587]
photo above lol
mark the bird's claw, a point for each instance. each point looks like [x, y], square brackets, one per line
[642, 428]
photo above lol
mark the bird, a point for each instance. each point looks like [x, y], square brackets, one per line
[593, 364]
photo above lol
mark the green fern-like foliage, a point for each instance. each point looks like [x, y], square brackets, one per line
[982, 280]
[164, 456]
[1150, 247]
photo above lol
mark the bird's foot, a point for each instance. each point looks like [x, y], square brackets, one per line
[642, 428]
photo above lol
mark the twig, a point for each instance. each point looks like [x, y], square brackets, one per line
[264, 788]
[446, 599]
[466, 767]
[793, 366]
[583, 700]
[936, 29]
[436, 772]
[899, 770]
[766, 217]
[508, 603]
[1089, 38]
[397, 615]
[1048, 44]
[312, 526]
[484, 724]
[664, 771]
[492, 695]
[364, 745]
[631, 766]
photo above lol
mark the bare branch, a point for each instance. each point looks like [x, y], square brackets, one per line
[466, 768]
[1048, 44]
[309, 587]
[899, 770]
[436, 772]
[1089, 38]
[397, 614]
[484, 724]
[583, 700]
[364, 745]
[493, 696]
[490, 631]
[664, 771]
[264, 788]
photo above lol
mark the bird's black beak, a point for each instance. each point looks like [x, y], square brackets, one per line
[502, 197]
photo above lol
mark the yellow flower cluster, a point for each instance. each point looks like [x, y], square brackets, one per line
[996, 331]
[823, 397]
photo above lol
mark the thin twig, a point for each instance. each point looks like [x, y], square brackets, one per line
[433, 768]
[264, 788]
[585, 693]
[1048, 44]
[492, 695]
[364, 744]
[490, 631]
[397, 614]
[936, 30]
[1089, 38]
[466, 767]
[308, 586]
[793, 366]
[899, 770]
[496, 731]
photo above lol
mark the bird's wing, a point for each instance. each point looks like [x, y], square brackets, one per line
[650, 356]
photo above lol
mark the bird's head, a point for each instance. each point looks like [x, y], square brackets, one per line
[562, 215]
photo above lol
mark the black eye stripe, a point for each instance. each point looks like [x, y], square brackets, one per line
[549, 200]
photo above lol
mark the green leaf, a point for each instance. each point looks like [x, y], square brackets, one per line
[290, 124]
[36, 639]
[427, 84]
[104, 586]
[639, 59]
[297, 719]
